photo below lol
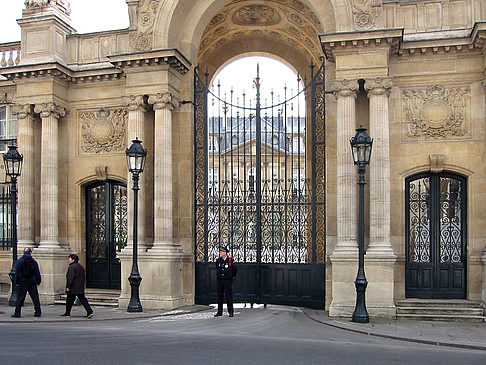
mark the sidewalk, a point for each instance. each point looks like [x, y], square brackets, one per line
[451, 334]
[52, 313]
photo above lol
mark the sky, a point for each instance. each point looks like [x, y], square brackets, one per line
[100, 15]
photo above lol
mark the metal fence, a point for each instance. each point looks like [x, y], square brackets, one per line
[5, 217]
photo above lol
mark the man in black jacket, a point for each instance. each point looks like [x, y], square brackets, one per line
[27, 277]
[75, 278]
[226, 271]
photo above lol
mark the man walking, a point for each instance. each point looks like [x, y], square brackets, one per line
[27, 277]
[226, 271]
[75, 278]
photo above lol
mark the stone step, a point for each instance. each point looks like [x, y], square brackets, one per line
[97, 297]
[442, 317]
[450, 303]
[440, 310]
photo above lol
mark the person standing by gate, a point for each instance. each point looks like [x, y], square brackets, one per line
[226, 271]
[27, 277]
[75, 278]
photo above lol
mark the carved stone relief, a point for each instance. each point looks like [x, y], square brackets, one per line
[141, 39]
[103, 131]
[365, 12]
[64, 5]
[254, 14]
[436, 112]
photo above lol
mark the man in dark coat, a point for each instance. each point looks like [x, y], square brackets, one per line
[226, 271]
[27, 277]
[75, 278]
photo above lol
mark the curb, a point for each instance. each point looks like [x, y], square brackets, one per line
[399, 338]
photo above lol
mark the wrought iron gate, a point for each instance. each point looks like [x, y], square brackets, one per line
[436, 236]
[106, 233]
[260, 190]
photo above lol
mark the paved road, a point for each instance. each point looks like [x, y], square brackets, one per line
[276, 335]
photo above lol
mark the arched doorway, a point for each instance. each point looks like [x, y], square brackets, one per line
[106, 233]
[259, 177]
[436, 241]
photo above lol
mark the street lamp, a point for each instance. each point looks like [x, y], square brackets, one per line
[361, 145]
[136, 161]
[13, 167]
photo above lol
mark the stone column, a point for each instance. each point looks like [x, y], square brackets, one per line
[50, 114]
[26, 196]
[378, 92]
[50, 254]
[347, 197]
[163, 105]
[380, 259]
[136, 129]
[344, 259]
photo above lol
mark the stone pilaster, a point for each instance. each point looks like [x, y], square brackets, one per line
[50, 114]
[50, 254]
[136, 129]
[380, 259]
[26, 196]
[344, 259]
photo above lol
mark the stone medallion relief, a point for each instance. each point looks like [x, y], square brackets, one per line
[436, 112]
[103, 131]
[141, 39]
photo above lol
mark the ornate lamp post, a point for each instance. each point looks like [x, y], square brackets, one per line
[13, 166]
[136, 161]
[361, 145]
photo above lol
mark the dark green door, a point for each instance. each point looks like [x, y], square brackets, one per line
[106, 233]
[436, 236]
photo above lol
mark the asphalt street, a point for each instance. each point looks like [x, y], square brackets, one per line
[276, 335]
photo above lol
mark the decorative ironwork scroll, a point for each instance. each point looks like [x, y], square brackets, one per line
[260, 174]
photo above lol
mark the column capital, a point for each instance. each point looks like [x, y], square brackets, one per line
[23, 111]
[344, 87]
[166, 100]
[50, 109]
[135, 103]
[379, 86]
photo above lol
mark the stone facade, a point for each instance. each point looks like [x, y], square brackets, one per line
[412, 72]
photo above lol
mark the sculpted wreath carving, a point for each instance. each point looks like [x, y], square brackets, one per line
[256, 15]
[103, 131]
[365, 12]
[436, 112]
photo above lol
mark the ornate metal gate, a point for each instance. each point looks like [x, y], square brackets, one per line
[436, 236]
[260, 190]
[106, 233]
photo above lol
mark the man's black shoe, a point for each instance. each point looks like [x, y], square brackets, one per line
[37, 314]
[231, 315]
[218, 314]
[15, 315]
[65, 315]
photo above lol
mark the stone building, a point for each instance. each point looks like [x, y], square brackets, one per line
[411, 71]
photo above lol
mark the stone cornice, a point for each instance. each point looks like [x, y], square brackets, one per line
[171, 57]
[405, 45]
[62, 72]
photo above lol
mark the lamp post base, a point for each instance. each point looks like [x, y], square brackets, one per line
[135, 305]
[360, 314]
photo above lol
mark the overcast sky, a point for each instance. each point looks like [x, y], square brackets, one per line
[99, 15]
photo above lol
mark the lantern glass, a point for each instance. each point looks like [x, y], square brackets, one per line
[361, 145]
[13, 162]
[136, 157]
